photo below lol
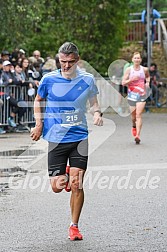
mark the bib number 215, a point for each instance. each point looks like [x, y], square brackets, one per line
[71, 118]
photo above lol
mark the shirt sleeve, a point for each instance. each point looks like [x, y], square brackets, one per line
[143, 16]
[156, 14]
[93, 89]
[42, 88]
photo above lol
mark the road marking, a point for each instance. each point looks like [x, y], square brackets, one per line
[148, 166]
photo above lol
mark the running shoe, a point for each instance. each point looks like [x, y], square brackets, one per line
[74, 234]
[133, 131]
[137, 140]
[158, 104]
[67, 188]
[11, 122]
[2, 131]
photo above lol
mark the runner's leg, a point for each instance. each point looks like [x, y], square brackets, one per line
[77, 193]
[139, 110]
[133, 115]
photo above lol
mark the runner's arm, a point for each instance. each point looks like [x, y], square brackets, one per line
[37, 131]
[125, 79]
[97, 114]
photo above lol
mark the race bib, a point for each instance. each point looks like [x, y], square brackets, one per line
[71, 118]
[133, 96]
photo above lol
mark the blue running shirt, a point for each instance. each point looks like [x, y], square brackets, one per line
[64, 118]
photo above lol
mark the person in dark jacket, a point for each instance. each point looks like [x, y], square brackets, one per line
[8, 79]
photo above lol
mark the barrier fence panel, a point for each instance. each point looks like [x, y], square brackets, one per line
[24, 100]
[109, 96]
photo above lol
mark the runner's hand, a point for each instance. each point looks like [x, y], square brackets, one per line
[97, 119]
[36, 133]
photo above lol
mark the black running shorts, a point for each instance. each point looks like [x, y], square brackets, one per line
[59, 154]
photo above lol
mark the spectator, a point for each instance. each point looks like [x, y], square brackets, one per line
[14, 56]
[7, 80]
[18, 55]
[49, 65]
[22, 53]
[18, 73]
[19, 76]
[5, 55]
[27, 74]
[35, 72]
[25, 65]
[154, 82]
[36, 57]
[2, 131]
[155, 15]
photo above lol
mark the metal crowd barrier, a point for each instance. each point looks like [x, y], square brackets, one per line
[108, 97]
[25, 98]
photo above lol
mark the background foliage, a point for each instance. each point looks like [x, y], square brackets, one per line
[139, 5]
[96, 26]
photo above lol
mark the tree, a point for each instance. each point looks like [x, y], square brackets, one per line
[139, 5]
[96, 26]
[17, 22]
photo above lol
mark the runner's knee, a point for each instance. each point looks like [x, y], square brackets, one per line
[58, 183]
[76, 181]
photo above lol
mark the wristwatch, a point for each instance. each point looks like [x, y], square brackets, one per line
[101, 114]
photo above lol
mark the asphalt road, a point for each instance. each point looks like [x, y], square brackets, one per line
[125, 206]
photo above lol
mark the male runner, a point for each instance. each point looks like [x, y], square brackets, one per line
[64, 126]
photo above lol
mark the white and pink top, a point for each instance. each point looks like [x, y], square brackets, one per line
[136, 88]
